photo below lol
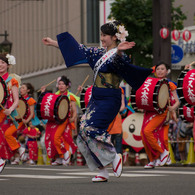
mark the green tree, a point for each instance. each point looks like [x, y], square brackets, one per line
[137, 17]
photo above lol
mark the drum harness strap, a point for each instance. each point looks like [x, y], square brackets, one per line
[14, 112]
[8, 83]
[7, 80]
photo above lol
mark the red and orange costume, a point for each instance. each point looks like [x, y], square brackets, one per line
[155, 131]
[11, 131]
[58, 137]
[7, 148]
[32, 142]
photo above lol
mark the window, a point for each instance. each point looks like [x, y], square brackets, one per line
[93, 21]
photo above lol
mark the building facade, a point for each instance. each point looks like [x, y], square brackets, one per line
[188, 47]
[28, 21]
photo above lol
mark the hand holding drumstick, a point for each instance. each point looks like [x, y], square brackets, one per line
[80, 87]
[7, 113]
[43, 88]
[190, 66]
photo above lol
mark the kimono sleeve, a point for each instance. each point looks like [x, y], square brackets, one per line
[133, 75]
[75, 53]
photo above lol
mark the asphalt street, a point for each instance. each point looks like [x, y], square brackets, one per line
[50, 180]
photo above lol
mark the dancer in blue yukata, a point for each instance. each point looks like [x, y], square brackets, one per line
[110, 66]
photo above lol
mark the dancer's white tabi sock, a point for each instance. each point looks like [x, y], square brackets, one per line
[103, 172]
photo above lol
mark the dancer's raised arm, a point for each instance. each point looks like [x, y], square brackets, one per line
[50, 42]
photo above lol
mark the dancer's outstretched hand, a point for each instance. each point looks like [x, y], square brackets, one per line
[47, 41]
[50, 42]
[125, 45]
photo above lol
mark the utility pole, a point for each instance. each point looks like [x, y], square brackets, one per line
[161, 18]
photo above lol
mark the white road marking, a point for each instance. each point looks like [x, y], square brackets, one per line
[69, 173]
[45, 169]
[164, 172]
[112, 175]
[40, 176]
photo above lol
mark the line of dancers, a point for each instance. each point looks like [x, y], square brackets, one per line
[16, 124]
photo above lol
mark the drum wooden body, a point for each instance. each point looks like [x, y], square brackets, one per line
[151, 96]
[3, 92]
[22, 109]
[52, 107]
[186, 87]
[187, 113]
[85, 97]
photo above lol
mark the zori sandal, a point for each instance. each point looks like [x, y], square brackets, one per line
[99, 178]
[117, 165]
[2, 165]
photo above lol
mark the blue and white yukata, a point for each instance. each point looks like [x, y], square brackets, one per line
[93, 140]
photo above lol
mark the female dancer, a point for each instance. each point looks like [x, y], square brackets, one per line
[158, 123]
[63, 130]
[109, 66]
[32, 134]
[6, 61]
[26, 91]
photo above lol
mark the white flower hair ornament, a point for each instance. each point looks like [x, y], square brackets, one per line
[122, 33]
[11, 59]
[169, 71]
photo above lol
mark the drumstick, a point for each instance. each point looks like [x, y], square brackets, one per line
[47, 84]
[9, 114]
[83, 84]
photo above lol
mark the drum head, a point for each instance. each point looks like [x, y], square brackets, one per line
[63, 109]
[1, 93]
[163, 96]
[21, 109]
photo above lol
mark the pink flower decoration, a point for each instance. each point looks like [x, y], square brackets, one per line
[122, 33]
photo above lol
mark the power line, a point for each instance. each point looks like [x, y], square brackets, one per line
[10, 8]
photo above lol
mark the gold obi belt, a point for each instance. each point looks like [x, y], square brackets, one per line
[107, 80]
